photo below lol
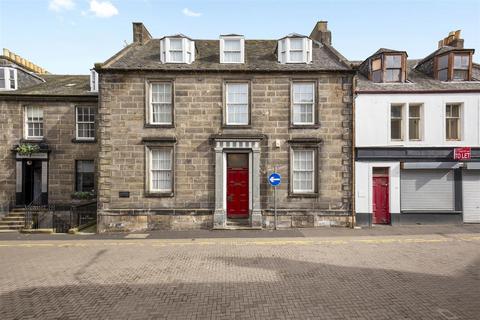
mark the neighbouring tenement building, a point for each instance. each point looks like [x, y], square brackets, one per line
[189, 131]
[55, 115]
[417, 136]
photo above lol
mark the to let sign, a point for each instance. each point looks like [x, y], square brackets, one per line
[462, 153]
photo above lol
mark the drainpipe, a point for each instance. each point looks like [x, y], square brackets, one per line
[354, 82]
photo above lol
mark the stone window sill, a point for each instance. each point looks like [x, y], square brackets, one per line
[74, 140]
[158, 195]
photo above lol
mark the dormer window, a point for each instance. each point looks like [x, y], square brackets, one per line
[388, 68]
[453, 67]
[177, 49]
[93, 81]
[232, 49]
[295, 49]
[8, 79]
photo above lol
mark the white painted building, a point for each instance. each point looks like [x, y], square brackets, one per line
[411, 118]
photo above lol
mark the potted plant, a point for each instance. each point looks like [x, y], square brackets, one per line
[27, 149]
[81, 196]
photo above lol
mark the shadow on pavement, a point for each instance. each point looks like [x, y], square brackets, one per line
[297, 290]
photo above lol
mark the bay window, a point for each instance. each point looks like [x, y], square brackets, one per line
[8, 78]
[177, 49]
[295, 49]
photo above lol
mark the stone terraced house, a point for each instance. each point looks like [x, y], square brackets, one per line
[57, 115]
[189, 131]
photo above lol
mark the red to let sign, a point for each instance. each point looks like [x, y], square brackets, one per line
[462, 153]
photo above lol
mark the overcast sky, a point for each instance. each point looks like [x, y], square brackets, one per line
[69, 36]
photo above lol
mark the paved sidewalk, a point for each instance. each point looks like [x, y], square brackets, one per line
[287, 233]
[413, 276]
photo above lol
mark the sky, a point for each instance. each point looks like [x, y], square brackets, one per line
[69, 36]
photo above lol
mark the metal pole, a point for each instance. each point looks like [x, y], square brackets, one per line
[275, 205]
[275, 201]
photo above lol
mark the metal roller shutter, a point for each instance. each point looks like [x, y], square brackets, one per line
[427, 190]
[471, 196]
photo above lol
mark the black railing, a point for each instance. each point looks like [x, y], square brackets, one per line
[37, 214]
[61, 220]
[83, 214]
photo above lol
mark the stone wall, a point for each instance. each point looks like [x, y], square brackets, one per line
[198, 115]
[59, 131]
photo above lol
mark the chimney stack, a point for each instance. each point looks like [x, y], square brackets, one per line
[140, 33]
[453, 40]
[321, 33]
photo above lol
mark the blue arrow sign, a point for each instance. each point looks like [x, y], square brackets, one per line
[274, 179]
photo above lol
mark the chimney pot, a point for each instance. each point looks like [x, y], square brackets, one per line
[452, 40]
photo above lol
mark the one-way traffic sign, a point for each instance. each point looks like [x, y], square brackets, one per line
[274, 179]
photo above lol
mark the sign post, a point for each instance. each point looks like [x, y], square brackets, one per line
[274, 179]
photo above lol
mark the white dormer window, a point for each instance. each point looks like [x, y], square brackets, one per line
[177, 49]
[93, 81]
[232, 49]
[8, 79]
[295, 49]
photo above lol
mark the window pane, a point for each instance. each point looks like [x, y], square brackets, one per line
[85, 175]
[460, 75]
[376, 64]
[377, 76]
[296, 56]
[396, 128]
[303, 92]
[237, 93]
[176, 44]
[2, 81]
[296, 44]
[414, 129]
[232, 56]
[393, 61]
[461, 61]
[442, 75]
[414, 111]
[443, 62]
[176, 56]
[392, 75]
[232, 45]
[396, 111]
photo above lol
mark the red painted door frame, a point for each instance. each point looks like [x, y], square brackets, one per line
[237, 192]
[381, 200]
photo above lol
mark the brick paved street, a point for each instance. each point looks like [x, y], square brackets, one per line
[426, 276]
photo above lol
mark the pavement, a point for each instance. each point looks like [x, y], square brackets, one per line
[414, 272]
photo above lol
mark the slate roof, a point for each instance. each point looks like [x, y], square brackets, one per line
[259, 56]
[418, 81]
[57, 85]
[441, 51]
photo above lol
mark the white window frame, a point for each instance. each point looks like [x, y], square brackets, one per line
[6, 76]
[150, 150]
[93, 81]
[460, 121]
[223, 51]
[77, 137]
[26, 123]
[402, 124]
[293, 170]
[313, 104]
[150, 103]
[283, 46]
[188, 50]
[227, 104]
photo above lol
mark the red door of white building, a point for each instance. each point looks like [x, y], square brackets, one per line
[381, 207]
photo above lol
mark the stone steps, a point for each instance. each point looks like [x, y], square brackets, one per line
[14, 220]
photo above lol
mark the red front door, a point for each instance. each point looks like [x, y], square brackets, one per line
[237, 185]
[381, 208]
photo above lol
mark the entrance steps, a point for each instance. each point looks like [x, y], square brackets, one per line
[14, 220]
[239, 224]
